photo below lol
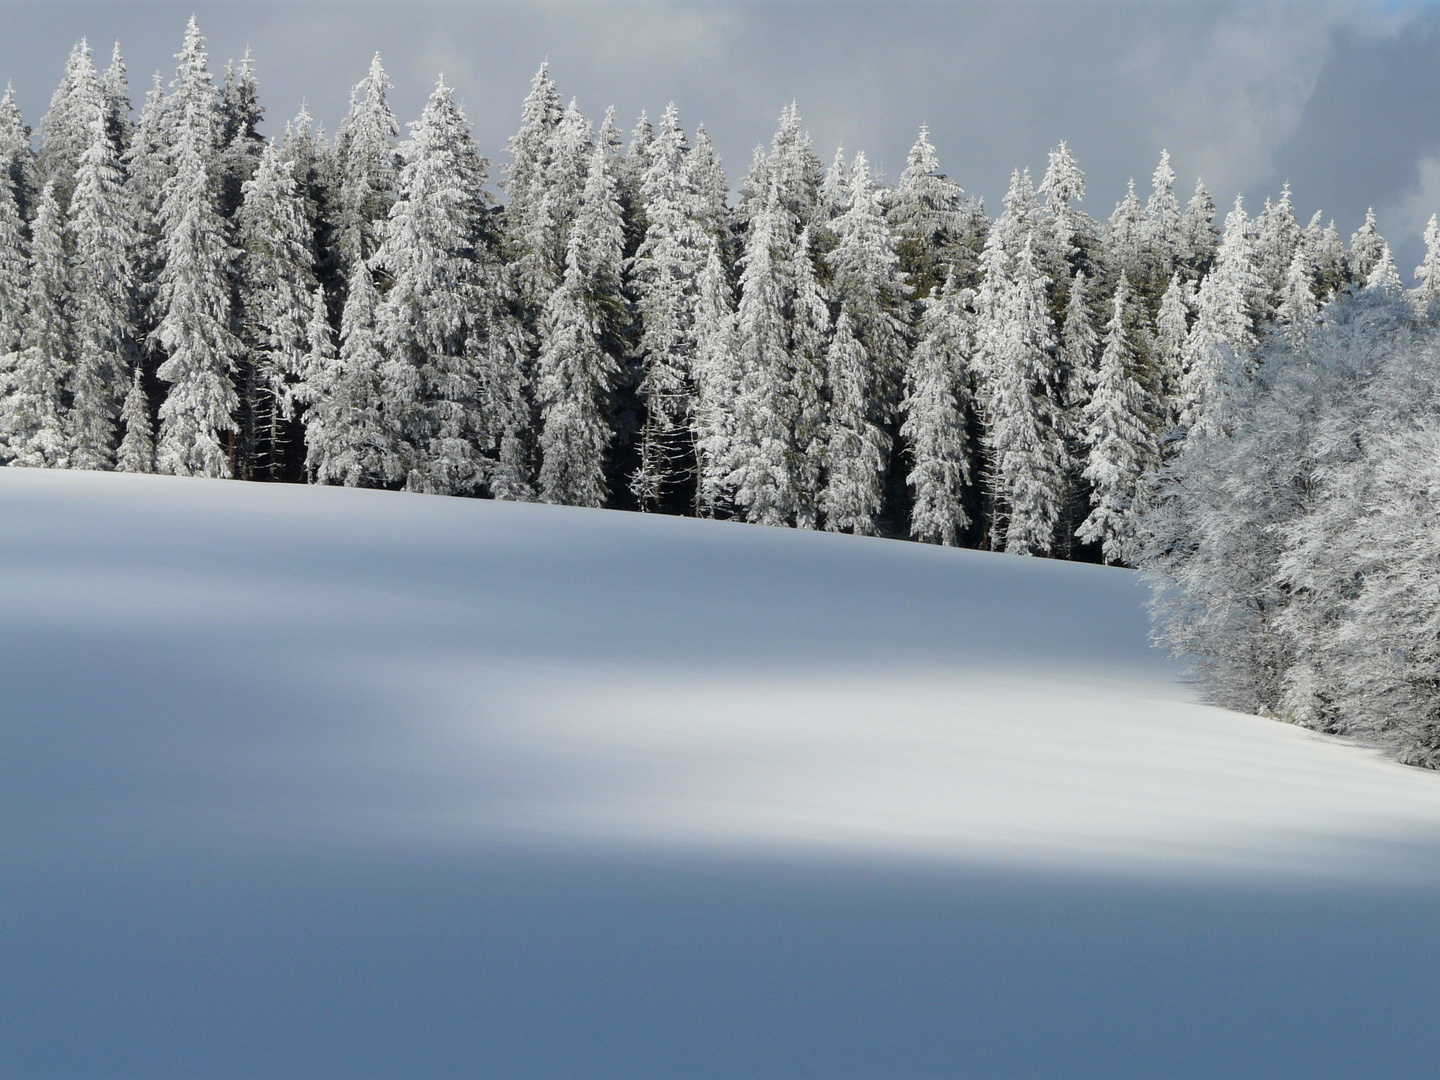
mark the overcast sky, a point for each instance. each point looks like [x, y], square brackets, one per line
[1340, 98]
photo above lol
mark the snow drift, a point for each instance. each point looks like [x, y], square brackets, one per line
[344, 783]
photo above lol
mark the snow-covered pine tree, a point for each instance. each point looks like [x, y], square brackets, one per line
[65, 127]
[761, 448]
[102, 302]
[193, 104]
[432, 254]
[1021, 218]
[240, 142]
[1024, 437]
[834, 189]
[277, 282]
[1200, 238]
[529, 240]
[14, 269]
[1062, 185]
[865, 388]
[193, 300]
[1119, 438]
[312, 161]
[717, 382]
[115, 91]
[1125, 239]
[1297, 310]
[937, 401]
[1278, 238]
[17, 159]
[712, 185]
[1224, 326]
[147, 168]
[572, 147]
[924, 217]
[1172, 331]
[809, 334]
[369, 167]
[320, 353]
[1366, 245]
[1162, 235]
[1326, 252]
[665, 275]
[346, 436]
[33, 419]
[795, 169]
[1384, 277]
[630, 173]
[136, 453]
[857, 450]
[1428, 272]
[578, 357]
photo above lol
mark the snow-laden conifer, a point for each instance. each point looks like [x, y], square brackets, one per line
[369, 167]
[115, 92]
[578, 361]
[1428, 272]
[17, 159]
[529, 240]
[102, 301]
[1018, 222]
[666, 272]
[1279, 236]
[14, 270]
[1024, 437]
[307, 150]
[1298, 307]
[857, 450]
[454, 377]
[761, 449]
[1224, 325]
[1061, 187]
[834, 189]
[1162, 235]
[865, 365]
[1172, 331]
[65, 127]
[936, 404]
[1326, 252]
[192, 104]
[711, 185]
[241, 144]
[1384, 276]
[1366, 247]
[795, 169]
[924, 217]
[1125, 236]
[193, 299]
[810, 326]
[866, 281]
[346, 438]
[33, 417]
[136, 453]
[277, 278]
[630, 170]
[717, 381]
[1200, 238]
[1119, 440]
[1078, 352]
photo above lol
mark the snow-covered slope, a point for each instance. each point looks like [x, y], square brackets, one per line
[276, 764]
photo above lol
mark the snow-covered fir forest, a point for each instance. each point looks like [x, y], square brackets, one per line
[1223, 403]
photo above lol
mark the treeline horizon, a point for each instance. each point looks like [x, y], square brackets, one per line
[180, 294]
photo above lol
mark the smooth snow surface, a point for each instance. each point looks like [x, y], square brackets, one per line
[315, 782]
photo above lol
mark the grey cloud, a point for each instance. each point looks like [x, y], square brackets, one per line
[1336, 96]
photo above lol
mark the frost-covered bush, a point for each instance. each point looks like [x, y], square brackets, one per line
[1295, 540]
